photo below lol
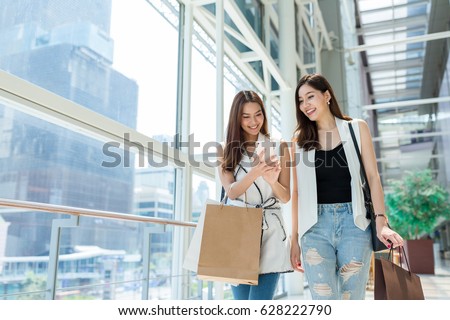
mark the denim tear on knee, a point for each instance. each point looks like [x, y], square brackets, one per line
[322, 289]
[313, 257]
[350, 269]
[346, 295]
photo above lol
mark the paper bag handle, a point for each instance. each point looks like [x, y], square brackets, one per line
[400, 249]
[225, 198]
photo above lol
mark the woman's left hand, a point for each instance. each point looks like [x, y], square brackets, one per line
[271, 176]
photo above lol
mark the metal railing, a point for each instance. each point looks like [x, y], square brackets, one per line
[73, 221]
[89, 212]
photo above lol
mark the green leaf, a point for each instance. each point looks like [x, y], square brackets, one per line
[416, 204]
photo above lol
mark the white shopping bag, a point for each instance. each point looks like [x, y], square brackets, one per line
[193, 252]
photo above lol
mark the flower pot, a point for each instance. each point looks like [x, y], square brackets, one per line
[420, 255]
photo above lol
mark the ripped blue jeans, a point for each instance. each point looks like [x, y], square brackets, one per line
[336, 254]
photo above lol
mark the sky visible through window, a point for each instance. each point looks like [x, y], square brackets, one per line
[146, 50]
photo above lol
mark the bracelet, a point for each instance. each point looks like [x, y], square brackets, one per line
[381, 215]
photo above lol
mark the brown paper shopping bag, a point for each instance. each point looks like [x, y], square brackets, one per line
[392, 282]
[230, 245]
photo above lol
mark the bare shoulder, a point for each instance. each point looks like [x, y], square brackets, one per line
[295, 137]
[363, 127]
[359, 121]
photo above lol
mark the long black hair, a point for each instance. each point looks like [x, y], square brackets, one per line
[306, 134]
[232, 154]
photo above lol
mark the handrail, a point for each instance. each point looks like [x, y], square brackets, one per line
[44, 104]
[89, 212]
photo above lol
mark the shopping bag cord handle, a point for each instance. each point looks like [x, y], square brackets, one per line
[400, 250]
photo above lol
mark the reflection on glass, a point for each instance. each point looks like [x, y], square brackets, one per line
[66, 47]
[83, 51]
[100, 259]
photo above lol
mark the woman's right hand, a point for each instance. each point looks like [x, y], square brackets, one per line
[296, 261]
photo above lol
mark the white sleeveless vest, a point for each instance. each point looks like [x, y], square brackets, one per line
[307, 187]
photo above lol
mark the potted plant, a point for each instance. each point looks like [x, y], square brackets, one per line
[415, 205]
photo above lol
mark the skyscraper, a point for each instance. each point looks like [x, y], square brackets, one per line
[63, 46]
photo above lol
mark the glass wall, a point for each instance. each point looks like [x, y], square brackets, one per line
[100, 258]
[117, 60]
[96, 54]
[203, 99]
[442, 162]
[203, 189]
[146, 50]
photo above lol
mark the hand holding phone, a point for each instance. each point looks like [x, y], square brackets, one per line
[269, 153]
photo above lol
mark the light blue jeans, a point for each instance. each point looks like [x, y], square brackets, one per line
[265, 290]
[336, 254]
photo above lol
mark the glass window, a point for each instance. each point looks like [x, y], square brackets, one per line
[203, 101]
[45, 162]
[146, 50]
[97, 54]
[202, 190]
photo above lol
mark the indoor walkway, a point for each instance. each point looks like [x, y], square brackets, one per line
[435, 287]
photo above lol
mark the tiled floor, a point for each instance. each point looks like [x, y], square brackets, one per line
[435, 287]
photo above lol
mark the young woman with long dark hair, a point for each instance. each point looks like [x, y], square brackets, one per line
[259, 177]
[328, 212]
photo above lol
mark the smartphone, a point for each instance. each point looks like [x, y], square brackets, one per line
[269, 150]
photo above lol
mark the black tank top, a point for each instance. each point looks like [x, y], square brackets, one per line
[332, 176]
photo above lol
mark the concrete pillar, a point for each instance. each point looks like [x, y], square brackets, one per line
[220, 16]
[287, 52]
[340, 68]
[183, 176]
